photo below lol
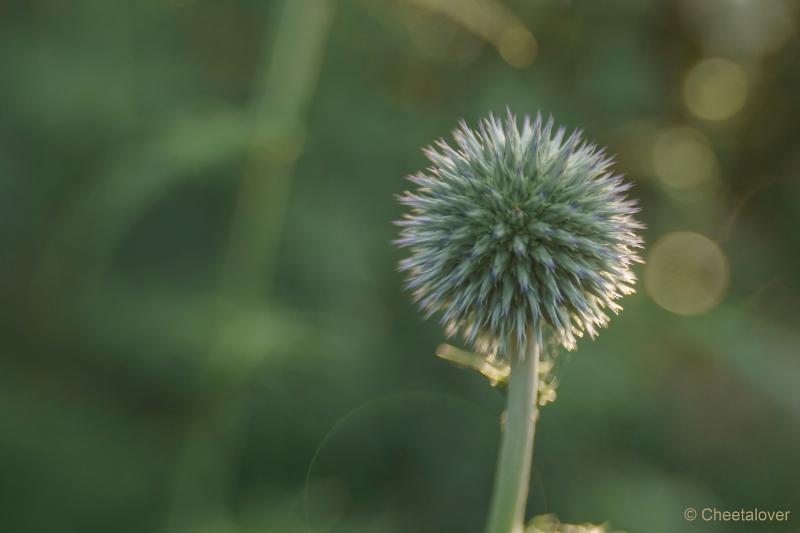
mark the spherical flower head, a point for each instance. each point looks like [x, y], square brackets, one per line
[516, 234]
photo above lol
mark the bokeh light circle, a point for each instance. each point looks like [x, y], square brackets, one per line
[683, 158]
[687, 273]
[715, 89]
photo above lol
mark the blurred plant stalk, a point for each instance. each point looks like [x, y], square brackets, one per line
[279, 107]
[493, 22]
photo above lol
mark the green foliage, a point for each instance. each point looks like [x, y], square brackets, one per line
[125, 131]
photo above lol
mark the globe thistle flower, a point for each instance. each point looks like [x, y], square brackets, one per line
[518, 233]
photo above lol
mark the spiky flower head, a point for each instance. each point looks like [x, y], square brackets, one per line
[518, 233]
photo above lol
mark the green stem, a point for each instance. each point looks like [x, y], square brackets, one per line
[512, 478]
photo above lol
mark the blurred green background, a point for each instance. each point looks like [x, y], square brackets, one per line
[204, 329]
